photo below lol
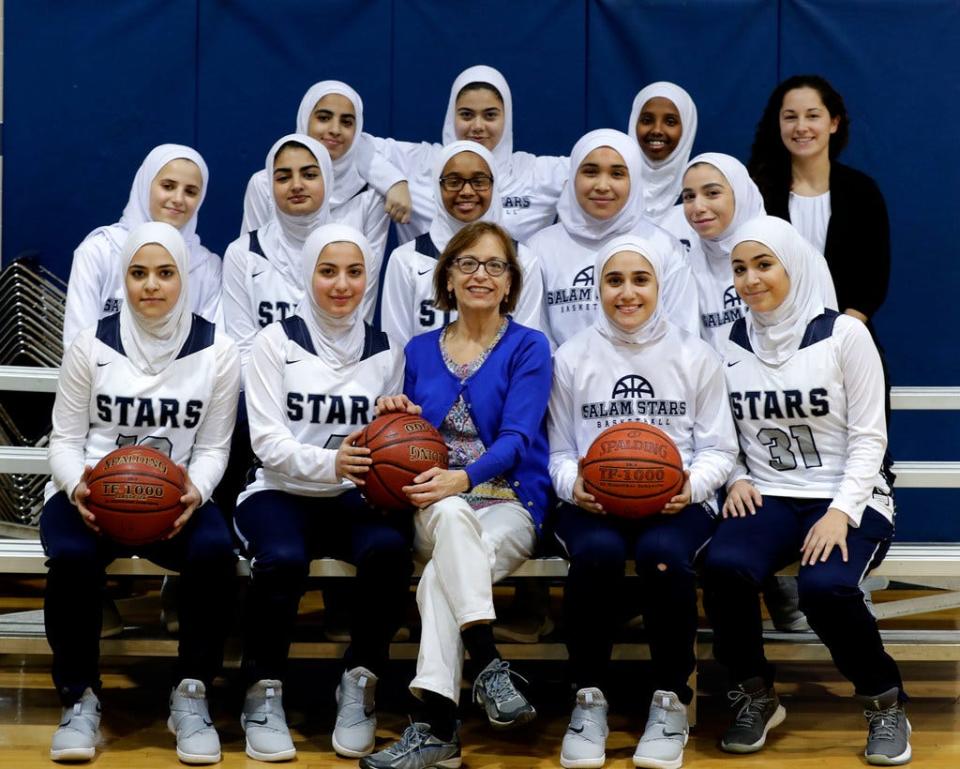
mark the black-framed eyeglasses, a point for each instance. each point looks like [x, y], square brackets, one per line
[455, 182]
[494, 267]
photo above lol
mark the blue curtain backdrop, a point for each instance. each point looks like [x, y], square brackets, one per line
[91, 87]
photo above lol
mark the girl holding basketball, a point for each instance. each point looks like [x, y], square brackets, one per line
[311, 386]
[153, 374]
[482, 382]
[633, 366]
[806, 390]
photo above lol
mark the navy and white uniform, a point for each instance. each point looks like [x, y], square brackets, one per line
[313, 379]
[407, 306]
[95, 289]
[658, 375]
[806, 391]
[170, 383]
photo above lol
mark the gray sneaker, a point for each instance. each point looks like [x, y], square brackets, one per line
[355, 732]
[418, 748]
[665, 735]
[888, 739]
[782, 598]
[759, 712]
[197, 739]
[494, 691]
[585, 741]
[77, 735]
[263, 720]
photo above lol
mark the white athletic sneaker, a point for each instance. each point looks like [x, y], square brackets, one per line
[585, 742]
[665, 736]
[354, 735]
[265, 723]
[77, 735]
[197, 739]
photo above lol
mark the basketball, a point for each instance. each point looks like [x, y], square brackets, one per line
[135, 494]
[401, 446]
[633, 470]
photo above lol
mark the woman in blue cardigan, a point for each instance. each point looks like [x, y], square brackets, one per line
[483, 382]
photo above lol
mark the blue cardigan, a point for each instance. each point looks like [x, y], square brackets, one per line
[507, 398]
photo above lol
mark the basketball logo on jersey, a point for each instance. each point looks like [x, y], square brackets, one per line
[733, 309]
[633, 400]
[578, 297]
[632, 386]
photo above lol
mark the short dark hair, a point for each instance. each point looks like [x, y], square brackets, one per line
[479, 86]
[464, 239]
[769, 160]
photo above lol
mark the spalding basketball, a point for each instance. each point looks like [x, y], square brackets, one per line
[401, 446]
[633, 470]
[135, 494]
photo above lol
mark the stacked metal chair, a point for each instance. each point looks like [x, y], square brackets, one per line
[32, 304]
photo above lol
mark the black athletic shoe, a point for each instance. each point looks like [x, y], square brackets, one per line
[758, 711]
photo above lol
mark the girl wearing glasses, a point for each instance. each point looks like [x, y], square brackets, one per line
[483, 381]
[465, 190]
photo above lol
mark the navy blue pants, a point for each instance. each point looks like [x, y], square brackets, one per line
[73, 603]
[282, 532]
[745, 551]
[665, 548]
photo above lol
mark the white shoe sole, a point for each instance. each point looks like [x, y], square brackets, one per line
[73, 754]
[193, 758]
[877, 759]
[347, 753]
[283, 755]
[659, 763]
[779, 715]
[582, 763]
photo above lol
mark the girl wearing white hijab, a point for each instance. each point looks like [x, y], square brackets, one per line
[332, 113]
[806, 390]
[719, 196]
[407, 306]
[664, 121]
[603, 198]
[152, 374]
[672, 379]
[169, 186]
[480, 109]
[312, 382]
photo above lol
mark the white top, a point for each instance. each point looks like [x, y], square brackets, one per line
[103, 402]
[674, 382]
[811, 217]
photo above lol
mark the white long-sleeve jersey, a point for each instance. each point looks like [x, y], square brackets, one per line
[571, 301]
[813, 427]
[103, 402]
[301, 408]
[96, 286]
[407, 307]
[674, 383]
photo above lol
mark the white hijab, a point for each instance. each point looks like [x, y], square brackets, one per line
[137, 210]
[338, 341]
[776, 335]
[444, 225]
[578, 222]
[662, 179]
[152, 344]
[503, 152]
[656, 325]
[285, 243]
[348, 180]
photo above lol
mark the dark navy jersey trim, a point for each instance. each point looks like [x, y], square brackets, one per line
[296, 331]
[200, 338]
[819, 328]
[424, 245]
[255, 246]
[359, 192]
[373, 342]
[738, 334]
[108, 332]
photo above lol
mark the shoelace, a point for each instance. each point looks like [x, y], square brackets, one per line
[498, 681]
[751, 708]
[883, 723]
[410, 739]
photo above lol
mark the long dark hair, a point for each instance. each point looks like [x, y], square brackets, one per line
[769, 160]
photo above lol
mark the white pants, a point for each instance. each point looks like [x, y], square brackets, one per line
[468, 550]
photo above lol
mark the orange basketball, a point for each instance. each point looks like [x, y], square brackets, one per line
[135, 494]
[633, 470]
[401, 446]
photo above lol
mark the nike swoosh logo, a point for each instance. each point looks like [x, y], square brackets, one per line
[575, 730]
[732, 364]
[261, 722]
[294, 361]
[210, 723]
[256, 274]
[101, 365]
[672, 734]
[424, 272]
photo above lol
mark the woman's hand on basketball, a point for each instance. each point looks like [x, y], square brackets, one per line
[398, 203]
[79, 497]
[681, 500]
[353, 461]
[191, 500]
[742, 498]
[435, 484]
[827, 533]
[580, 496]
[388, 404]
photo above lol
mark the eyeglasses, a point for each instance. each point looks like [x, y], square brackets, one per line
[494, 267]
[455, 182]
